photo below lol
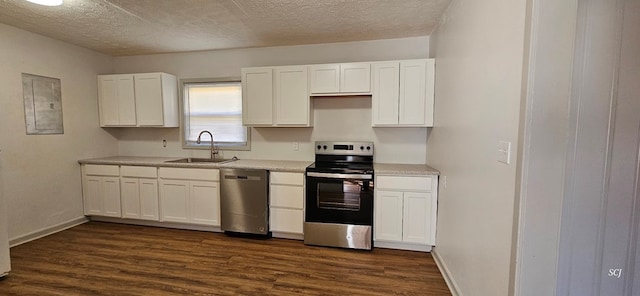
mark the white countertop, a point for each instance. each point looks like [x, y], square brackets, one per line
[404, 169]
[272, 165]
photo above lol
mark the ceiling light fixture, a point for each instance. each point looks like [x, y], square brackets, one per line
[47, 2]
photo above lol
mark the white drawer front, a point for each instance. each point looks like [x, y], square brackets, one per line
[287, 178]
[102, 170]
[404, 183]
[287, 196]
[189, 174]
[139, 171]
[286, 220]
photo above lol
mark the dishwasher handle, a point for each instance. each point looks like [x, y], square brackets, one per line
[242, 177]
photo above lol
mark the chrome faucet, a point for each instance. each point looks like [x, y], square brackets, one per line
[214, 149]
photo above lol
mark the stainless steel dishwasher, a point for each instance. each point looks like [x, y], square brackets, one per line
[244, 201]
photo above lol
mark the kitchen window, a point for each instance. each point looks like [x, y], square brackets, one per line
[215, 106]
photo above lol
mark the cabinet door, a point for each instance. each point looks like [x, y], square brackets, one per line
[257, 96]
[324, 78]
[108, 100]
[388, 216]
[385, 93]
[413, 85]
[174, 200]
[148, 93]
[149, 199]
[130, 195]
[417, 218]
[286, 220]
[126, 100]
[205, 203]
[292, 96]
[111, 196]
[430, 77]
[93, 201]
[116, 100]
[355, 78]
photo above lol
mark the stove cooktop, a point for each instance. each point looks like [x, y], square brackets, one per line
[343, 158]
[341, 168]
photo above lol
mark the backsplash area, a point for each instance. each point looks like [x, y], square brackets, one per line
[335, 118]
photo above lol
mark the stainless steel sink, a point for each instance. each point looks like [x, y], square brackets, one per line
[200, 160]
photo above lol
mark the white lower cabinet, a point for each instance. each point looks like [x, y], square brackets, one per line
[405, 212]
[139, 192]
[286, 205]
[204, 202]
[190, 195]
[101, 190]
[388, 215]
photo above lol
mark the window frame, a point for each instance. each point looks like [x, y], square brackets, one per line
[183, 116]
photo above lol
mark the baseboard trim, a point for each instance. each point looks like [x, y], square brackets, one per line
[446, 274]
[157, 224]
[286, 235]
[401, 246]
[47, 231]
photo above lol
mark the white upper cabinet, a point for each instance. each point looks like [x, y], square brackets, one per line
[156, 99]
[340, 79]
[292, 96]
[257, 96]
[276, 96]
[355, 78]
[325, 79]
[403, 93]
[386, 93]
[144, 100]
[117, 101]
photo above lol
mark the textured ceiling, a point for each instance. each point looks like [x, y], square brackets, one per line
[132, 27]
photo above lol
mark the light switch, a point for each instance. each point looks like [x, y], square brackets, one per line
[504, 152]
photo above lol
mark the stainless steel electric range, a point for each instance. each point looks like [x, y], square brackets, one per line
[339, 196]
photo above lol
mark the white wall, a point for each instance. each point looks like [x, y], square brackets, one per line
[40, 174]
[337, 118]
[479, 57]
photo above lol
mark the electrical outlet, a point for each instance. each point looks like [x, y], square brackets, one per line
[296, 146]
[504, 152]
[444, 181]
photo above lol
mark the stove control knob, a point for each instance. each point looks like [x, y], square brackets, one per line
[319, 147]
[368, 147]
[324, 147]
[361, 147]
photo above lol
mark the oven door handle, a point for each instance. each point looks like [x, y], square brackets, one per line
[340, 176]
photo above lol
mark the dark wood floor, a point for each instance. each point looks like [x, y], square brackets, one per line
[114, 259]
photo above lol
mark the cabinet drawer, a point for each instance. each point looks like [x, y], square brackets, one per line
[404, 183]
[287, 196]
[102, 170]
[189, 174]
[139, 172]
[286, 220]
[287, 178]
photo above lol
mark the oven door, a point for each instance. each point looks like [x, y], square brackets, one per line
[339, 198]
